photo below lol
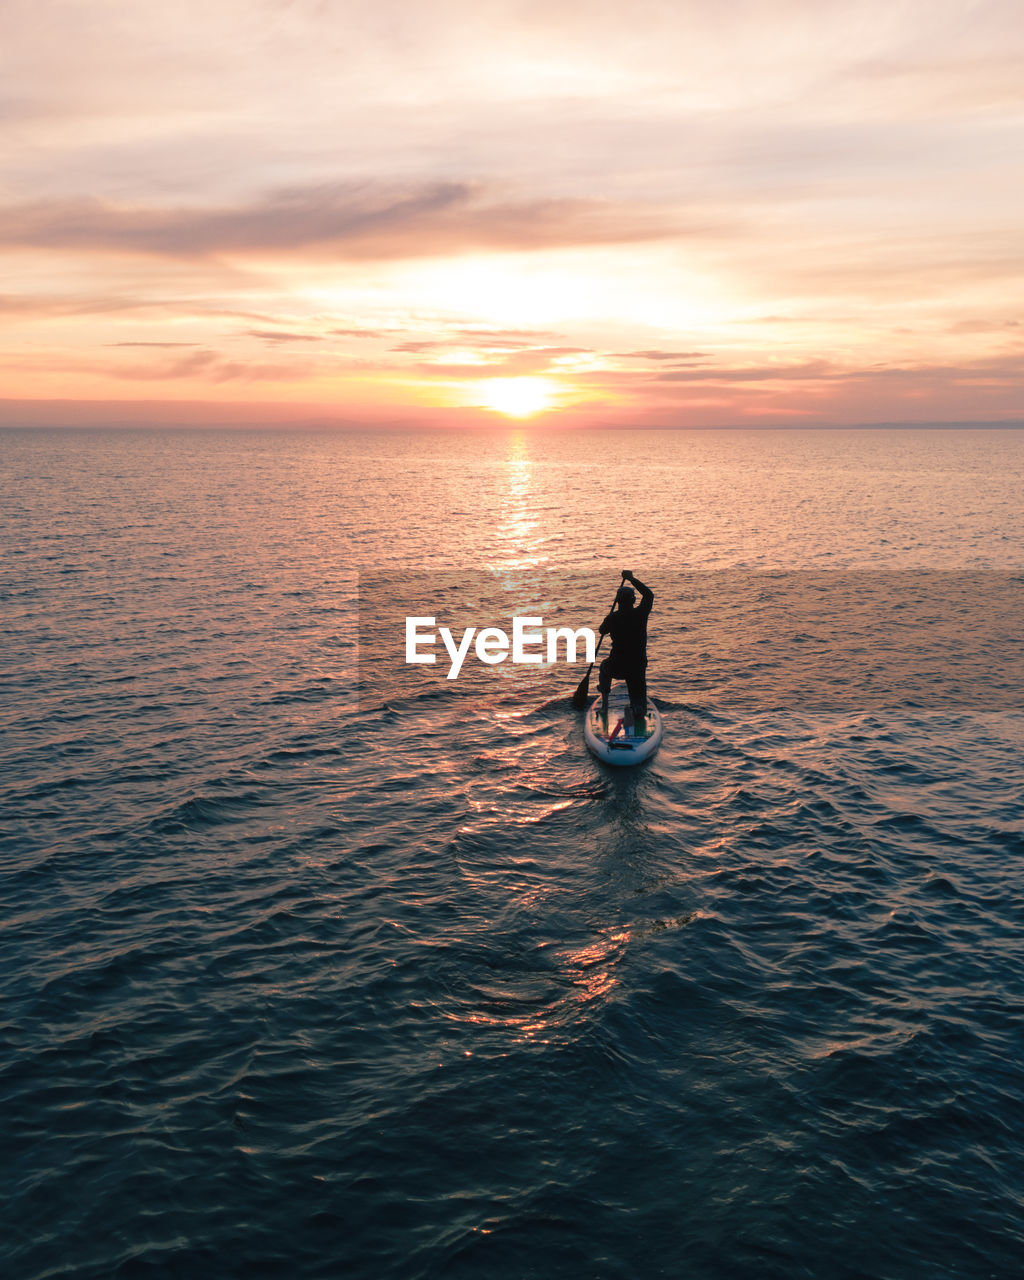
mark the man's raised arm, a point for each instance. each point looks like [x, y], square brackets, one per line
[646, 594]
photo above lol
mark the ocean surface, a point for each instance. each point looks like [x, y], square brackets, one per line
[309, 970]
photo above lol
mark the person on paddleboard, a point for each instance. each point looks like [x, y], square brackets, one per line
[627, 626]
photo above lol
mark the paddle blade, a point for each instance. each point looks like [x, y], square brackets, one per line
[579, 698]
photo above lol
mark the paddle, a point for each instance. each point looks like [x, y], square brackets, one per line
[579, 698]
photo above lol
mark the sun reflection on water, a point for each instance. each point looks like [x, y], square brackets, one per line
[548, 1002]
[517, 533]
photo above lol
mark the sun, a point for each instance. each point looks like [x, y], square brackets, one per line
[517, 397]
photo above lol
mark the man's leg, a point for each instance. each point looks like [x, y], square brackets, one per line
[636, 683]
[604, 684]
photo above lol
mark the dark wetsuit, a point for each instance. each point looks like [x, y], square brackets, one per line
[628, 658]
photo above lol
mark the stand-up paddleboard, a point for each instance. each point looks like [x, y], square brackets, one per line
[615, 742]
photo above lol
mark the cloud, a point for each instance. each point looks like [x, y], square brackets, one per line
[208, 367]
[155, 306]
[352, 220]
[37, 306]
[1002, 369]
[509, 363]
[508, 337]
[809, 369]
[982, 326]
[274, 335]
[661, 355]
[1005, 371]
[490, 340]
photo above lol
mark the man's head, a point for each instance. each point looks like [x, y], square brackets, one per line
[626, 597]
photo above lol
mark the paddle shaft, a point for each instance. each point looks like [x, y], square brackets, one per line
[579, 698]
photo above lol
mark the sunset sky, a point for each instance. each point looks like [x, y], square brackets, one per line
[690, 212]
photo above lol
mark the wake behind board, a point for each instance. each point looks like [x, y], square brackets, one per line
[611, 741]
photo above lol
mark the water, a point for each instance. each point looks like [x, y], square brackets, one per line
[296, 988]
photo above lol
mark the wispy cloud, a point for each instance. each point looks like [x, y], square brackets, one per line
[350, 220]
[276, 335]
[656, 354]
[810, 369]
[41, 306]
[491, 363]
[418, 347]
[210, 366]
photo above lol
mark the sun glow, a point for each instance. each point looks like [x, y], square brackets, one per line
[517, 397]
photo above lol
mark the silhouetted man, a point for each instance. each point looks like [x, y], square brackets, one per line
[627, 626]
